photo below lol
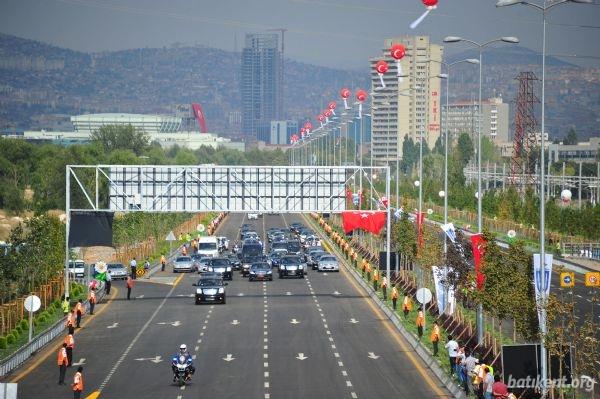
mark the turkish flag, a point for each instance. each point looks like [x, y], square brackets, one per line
[420, 220]
[371, 221]
[478, 245]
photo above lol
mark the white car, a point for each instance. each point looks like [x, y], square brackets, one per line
[328, 262]
[253, 216]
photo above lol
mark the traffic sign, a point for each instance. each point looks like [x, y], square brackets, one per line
[567, 279]
[592, 279]
[201, 228]
[32, 303]
[424, 295]
[170, 236]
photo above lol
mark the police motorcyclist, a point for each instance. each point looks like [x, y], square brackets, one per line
[236, 248]
[188, 359]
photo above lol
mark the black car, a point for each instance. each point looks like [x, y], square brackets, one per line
[275, 257]
[292, 266]
[260, 271]
[295, 227]
[210, 288]
[279, 245]
[235, 261]
[222, 266]
[248, 261]
[293, 247]
[313, 258]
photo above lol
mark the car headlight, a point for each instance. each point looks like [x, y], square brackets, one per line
[228, 268]
[301, 267]
[269, 272]
[252, 272]
[221, 290]
[198, 290]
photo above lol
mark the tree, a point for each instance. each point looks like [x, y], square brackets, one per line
[404, 237]
[409, 156]
[465, 149]
[122, 137]
[570, 138]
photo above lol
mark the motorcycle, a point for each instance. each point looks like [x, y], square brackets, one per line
[182, 370]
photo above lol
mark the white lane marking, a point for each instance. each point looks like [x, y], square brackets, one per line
[265, 326]
[204, 327]
[182, 388]
[348, 384]
[265, 355]
[205, 321]
[324, 320]
[294, 321]
[301, 356]
[332, 346]
[354, 395]
[266, 347]
[340, 364]
[235, 322]
[344, 373]
[336, 354]
[266, 384]
[264, 320]
[201, 334]
[265, 339]
[196, 348]
[328, 332]
[228, 358]
[266, 364]
[353, 320]
[139, 334]
[373, 356]
[331, 339]
[265, 333]
[325, 325]
[114, 325]
[266, 374]
[194, 357]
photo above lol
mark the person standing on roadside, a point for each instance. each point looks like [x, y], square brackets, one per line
[63, 362]
[64, 305]
[92, 300]
[147, 268]
[384, 284]
[420, 322]
[394, 296]
[163, 262]
[406, 305]
[107, 283]
[77, 384]
[79, 310]
[133, 266]
[129, 284]
[435, 338]
[69, 344]
[452, 347]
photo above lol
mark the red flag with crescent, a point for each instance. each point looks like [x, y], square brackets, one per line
[420, 220]
[371, 221]
[478, 245]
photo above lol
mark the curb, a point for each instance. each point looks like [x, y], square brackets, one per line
[429, 361]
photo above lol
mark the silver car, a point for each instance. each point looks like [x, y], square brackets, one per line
[117, 271]
[328, 262]
[183, 264]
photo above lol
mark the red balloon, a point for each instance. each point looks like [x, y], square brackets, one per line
[308, 126]
[381, 66]
[361, 95]
[327, 113]
[345, 93]
[430, 3]
[398, 51]
[321, 117]
[302, 130]
[332, 105]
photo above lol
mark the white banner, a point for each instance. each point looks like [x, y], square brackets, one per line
[444, 294]
[537, 279]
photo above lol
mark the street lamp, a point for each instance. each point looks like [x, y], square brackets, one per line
[480, 46]
[543, 9]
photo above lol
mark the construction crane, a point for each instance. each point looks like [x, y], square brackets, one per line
[280, 112]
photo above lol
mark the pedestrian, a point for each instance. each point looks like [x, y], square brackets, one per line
[406, 304]
[108, 282]
[70, 322]
[63, 362]
[499, 389]
[452, 347]
[77, 383]
[69, 344]
[460, 356]
[65, 305]
[147, 268]
[79, 310]
[468, 364]
[163, 262]
[133, 266]
[420, 323]
[363, 267]
[375, 279]
[435, 337]
[384, 284]
[129, 284]
[488, 384]
[394, 296]
[369, 269]
[92, 300]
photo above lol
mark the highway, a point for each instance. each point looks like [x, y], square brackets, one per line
[318, 337]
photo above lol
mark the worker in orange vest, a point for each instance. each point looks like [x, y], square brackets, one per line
[435, 338]
[79, 310]
[70, 322]
[363, 267]
[369, 269]
[70, 344]
[375, 278]
[384, 284]
[77, 384]
[406, 305]
[92, 300]
[129, 285]
[63, 362]
[394, 296]
[420, 322]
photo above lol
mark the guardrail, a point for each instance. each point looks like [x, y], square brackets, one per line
[588, 250]
[38, 342]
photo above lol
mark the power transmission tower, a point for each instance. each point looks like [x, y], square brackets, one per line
[526, 125]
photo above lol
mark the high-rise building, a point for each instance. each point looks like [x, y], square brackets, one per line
[410, 105]
[261, 86]
[277, 132]
[462, 118]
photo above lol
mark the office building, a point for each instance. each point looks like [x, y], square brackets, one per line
[581, 152]
[410, 105]
[261, 86]
[462, 118]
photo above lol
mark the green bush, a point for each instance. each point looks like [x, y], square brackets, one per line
[3, 343]
[41, 318]
[24, 325]
[18, 329]
[10, 339]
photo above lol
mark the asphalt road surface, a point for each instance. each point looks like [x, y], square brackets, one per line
[318, 337]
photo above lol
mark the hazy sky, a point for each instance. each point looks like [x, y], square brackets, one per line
[340, 33]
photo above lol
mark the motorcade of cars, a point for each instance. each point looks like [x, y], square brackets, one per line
[296, 226]
[304, 233]
[183, 264]
[76, 268]
[208, 246]
[272, 232]
[210, 288]
[260, 271]
[235, 261]
[328, 263]
[292, 266]
[279, 245]
[294, 247]
[248, 261]
[222, 266]
[312, 241]
[275, 256]
[312, 257]
[117, 271]
[253, 216]
[202, 263]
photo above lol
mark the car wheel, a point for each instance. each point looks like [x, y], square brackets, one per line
[250, 279]
[224, 301]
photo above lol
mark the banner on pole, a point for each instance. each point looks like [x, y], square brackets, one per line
[478, 246]
[371, 221]
[450, 231]
[537, 279]
[444, 293]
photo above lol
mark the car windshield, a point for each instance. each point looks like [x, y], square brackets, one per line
[220, 262]
[115, 266]
[76, 265]
[183, 259]
[207, 246]
[205, 260]
[207, 282]
[260, 266]
[251, 250]
[291, 260]
[293, 246]
[325, 258]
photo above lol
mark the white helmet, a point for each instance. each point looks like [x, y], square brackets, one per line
[183, 347]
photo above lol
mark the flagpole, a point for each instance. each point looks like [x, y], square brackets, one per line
[388, 225]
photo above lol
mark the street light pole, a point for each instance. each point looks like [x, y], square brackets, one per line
[543, 9]
[480, 46]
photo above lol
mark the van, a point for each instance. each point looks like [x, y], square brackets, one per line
[208, 246]
[76, 268]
